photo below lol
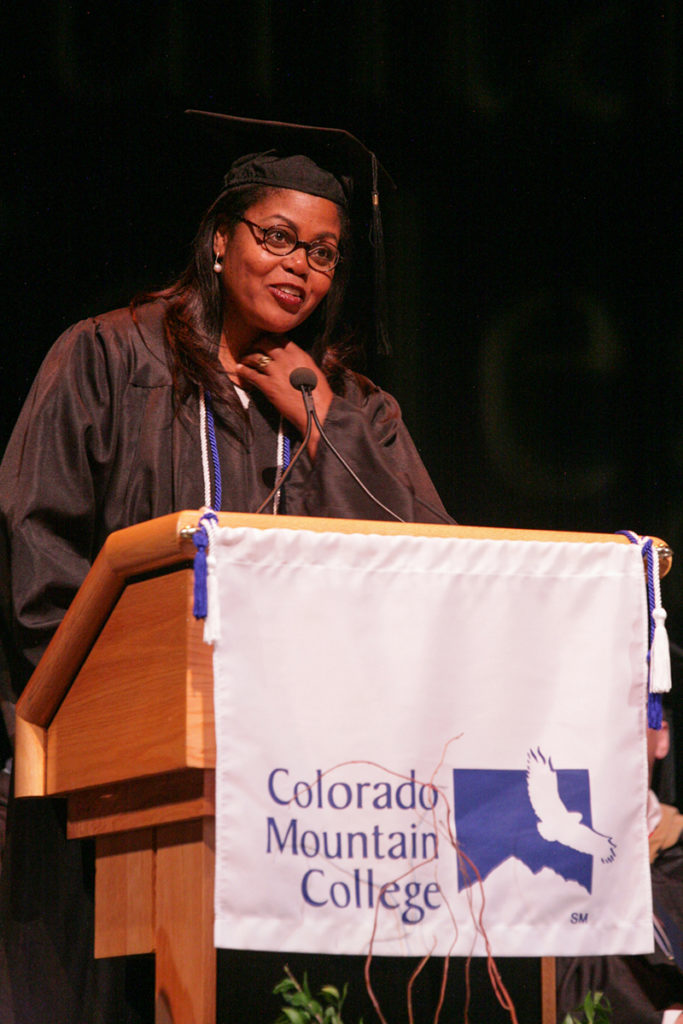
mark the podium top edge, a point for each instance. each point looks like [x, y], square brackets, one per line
[167, 541]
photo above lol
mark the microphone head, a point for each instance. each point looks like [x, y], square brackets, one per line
[303, 377]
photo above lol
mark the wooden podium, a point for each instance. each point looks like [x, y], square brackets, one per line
[118, 718]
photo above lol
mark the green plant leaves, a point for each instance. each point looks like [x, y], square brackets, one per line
[303, 1008]
[595, 1009]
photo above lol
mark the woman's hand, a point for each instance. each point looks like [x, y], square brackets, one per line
[267, 366]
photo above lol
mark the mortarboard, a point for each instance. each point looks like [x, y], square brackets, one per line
[327, 162]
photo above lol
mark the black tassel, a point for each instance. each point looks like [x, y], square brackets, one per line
[377, 242]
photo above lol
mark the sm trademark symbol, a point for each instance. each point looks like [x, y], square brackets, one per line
[579, 918]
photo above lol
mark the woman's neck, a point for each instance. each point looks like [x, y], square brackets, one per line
[233, 345]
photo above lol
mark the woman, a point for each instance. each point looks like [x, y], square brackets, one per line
[111, 435]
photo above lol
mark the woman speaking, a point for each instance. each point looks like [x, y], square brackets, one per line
[116, 430]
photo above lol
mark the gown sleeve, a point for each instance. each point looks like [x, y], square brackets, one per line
[54, 467]
[369, 432]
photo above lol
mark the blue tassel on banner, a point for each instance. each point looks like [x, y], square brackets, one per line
[200, 540]
[656, 633]
[654, 711]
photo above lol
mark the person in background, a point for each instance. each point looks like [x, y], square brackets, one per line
[646, 989]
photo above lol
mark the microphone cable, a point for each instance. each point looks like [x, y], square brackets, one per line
[304, 379]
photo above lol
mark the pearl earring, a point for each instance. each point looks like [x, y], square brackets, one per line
[218, 263]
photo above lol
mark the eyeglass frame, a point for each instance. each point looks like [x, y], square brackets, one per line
[306, 246]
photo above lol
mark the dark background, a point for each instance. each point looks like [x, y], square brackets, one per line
[533, 244]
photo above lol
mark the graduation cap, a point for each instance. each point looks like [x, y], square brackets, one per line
[326, 162]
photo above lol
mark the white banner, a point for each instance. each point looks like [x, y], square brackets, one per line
[428, 743]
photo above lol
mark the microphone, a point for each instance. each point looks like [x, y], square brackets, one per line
[304, 380]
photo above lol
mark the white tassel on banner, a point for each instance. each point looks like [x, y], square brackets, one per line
[660, 658]
[212, 622]
[659, 674]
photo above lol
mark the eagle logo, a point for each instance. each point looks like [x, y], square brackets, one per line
[555, 823]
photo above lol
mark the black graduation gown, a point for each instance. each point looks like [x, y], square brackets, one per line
[99, 446]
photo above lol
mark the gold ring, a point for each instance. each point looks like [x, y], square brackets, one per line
[263, 361]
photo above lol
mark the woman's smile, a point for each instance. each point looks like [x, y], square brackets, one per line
[288, 296]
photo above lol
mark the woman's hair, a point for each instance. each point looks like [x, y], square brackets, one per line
[194, 318]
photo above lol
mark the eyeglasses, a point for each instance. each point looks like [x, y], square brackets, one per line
[280, 239]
